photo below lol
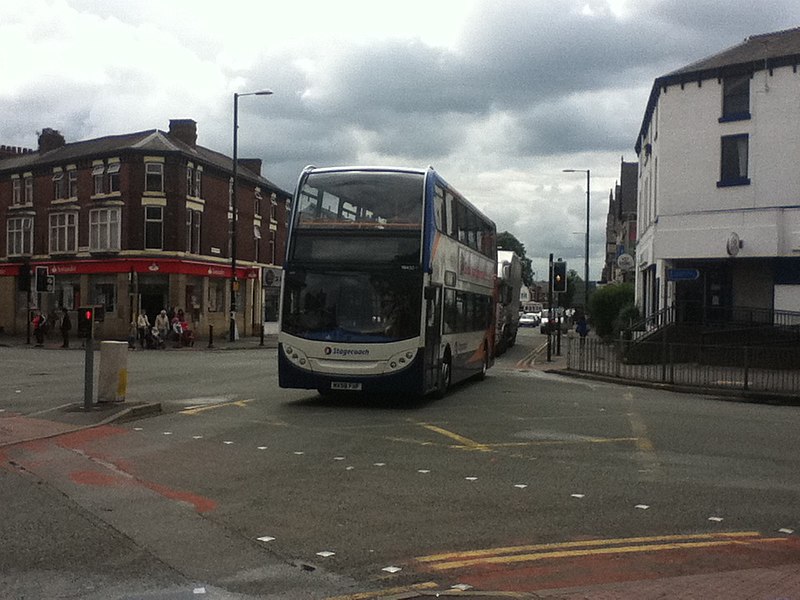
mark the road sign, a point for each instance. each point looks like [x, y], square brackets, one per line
[682, 274]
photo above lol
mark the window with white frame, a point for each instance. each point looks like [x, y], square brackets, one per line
[16, 191]
[257, 241]
[63, 232]
[29, 189]
[19, 238]
[257, 202]
[154, 177]
[193, 229]
[153, 227]
[72, 184]
[271, 248]
[113, 177]
[189, 179]
[59, 186]
[104, 229]
[198, 182]
[98, 171]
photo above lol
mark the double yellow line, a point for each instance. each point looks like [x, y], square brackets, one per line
[629, 545]
[527, 360]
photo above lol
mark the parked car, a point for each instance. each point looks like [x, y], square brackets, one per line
[528, 320]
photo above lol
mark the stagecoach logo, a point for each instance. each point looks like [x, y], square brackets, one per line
[345, 351]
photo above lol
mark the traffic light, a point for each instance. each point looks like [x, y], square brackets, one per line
[85, 321]
[559, 276]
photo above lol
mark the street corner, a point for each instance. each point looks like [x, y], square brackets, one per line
[16, 429]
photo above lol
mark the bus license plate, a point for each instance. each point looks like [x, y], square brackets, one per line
[345, 385]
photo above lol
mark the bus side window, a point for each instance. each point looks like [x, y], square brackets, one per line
[440, 210]
[450, 215]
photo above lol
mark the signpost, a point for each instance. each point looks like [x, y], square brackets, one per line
[683, 274]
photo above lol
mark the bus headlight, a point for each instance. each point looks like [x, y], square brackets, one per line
[401, 359]
[294, 355]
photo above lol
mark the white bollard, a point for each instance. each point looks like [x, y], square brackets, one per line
[113, 381]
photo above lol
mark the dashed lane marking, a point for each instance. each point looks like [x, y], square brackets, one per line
[198, 409]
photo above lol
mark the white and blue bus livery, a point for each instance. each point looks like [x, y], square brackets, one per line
[388, 283]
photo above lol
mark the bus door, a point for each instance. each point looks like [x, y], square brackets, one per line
[433, 335]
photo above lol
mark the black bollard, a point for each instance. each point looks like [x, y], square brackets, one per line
[262, 334]
[210, 336]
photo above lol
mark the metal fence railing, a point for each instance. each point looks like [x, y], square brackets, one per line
[773, 369]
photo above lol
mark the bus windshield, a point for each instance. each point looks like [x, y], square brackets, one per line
[361, 200]
[352, 306]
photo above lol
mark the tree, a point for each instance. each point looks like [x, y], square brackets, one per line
[507, 241]
[606, 305]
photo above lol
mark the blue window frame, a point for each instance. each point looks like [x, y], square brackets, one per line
[733, 160]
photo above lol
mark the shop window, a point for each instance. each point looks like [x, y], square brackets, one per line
[216, 295]
[105, 294]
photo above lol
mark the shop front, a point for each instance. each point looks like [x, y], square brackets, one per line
[124, 287]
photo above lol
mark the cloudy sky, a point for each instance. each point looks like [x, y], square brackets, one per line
[498, 95]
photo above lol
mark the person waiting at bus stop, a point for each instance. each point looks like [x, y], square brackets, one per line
[582, 329]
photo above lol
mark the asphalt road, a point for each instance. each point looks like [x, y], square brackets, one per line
[526, 482]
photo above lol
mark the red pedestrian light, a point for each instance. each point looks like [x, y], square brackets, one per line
[88, 315]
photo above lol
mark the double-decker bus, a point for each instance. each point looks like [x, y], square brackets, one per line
[509, 283]
[388, 283]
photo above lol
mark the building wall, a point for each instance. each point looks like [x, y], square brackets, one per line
[205, 298]
[683, 214]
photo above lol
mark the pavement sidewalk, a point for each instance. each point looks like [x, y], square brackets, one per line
[60, 418]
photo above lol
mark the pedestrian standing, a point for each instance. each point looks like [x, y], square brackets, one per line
[66, 326]
[162, 325]
[143, 325]
[38, 327]
[582, 329]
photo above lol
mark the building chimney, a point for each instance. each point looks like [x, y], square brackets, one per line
[184, 130]
[251, 164]
[50, 139]
[9, 151]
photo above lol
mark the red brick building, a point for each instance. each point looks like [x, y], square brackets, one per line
[138, 221]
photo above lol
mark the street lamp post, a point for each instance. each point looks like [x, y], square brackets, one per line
[235, 205]
[586, 261]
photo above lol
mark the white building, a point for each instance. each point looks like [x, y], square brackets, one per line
[719, 183]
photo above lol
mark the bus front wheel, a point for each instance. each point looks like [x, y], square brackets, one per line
[445, 376]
